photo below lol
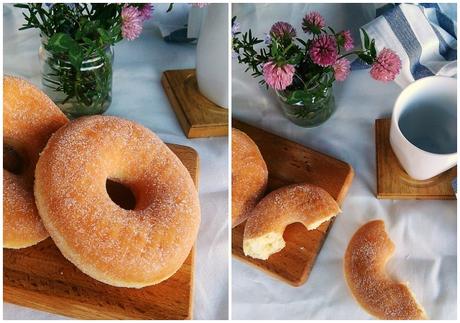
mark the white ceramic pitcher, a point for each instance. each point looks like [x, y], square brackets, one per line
[212, 55]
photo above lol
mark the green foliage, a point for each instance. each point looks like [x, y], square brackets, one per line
[87, 88]
[247, 54]
[74, 35]
[311, 92]
[368, 54]
[311, 81]
[79, 29]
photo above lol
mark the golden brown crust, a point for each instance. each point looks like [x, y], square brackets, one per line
[364, 267]
[125, 248]
[29, 119]
[249, 176]
[305, 203]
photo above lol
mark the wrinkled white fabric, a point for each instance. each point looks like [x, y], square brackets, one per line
[139, 96]
[424, 232]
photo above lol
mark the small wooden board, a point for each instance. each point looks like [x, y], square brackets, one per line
[41, 278]
[394, 183]
[197, 116]
[288, 163]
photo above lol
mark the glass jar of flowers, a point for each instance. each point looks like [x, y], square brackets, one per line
[76, 51]
[302, 72]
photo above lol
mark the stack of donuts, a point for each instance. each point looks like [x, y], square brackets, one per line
[54, 180]
[267, 218]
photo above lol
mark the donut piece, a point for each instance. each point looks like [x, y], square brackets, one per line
[29, 119]
[364, 267]
[249, 176]
[304, 203]
[120, 247]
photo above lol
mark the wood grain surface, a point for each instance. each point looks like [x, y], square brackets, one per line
[41, 278]
[392, 180]
[198, 116]
[288, 163]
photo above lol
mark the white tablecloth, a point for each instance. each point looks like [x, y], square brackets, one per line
[139, 96]
[424, 232]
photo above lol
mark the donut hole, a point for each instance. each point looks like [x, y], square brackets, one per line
[120, 194]
[13, 160]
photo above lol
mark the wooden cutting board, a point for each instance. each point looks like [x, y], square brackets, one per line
[288, 163]
[41, 278]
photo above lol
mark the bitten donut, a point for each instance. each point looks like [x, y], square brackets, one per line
[29, 119]
[364, 267]
[124, 248]
[304, 203]
[249, 176]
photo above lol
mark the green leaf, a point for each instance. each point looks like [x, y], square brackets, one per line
[274, 49]
[22, 5]
[78, 35]
[116, 30]
[295, 97]
[75, 57]
[302, 42]
[315, 30]
[372, 49]
[296, 59]
[366, 39]
[332, 30]
[366, 58]
[307, 98]
[61, 42]
[87, 40]
[104, 35]
[171, 5]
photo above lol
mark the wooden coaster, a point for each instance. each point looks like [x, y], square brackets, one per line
[394, 183]
[288, 163]
[41, 278]
[197, 116]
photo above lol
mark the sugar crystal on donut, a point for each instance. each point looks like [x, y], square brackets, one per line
[126, 248]
[249, 176]
[29, 119]
[364, 266]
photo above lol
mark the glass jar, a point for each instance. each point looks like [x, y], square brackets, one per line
[312, 112]
[78, 92]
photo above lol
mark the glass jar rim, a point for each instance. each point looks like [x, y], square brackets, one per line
[89, 63]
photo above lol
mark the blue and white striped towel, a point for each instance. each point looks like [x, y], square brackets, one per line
[424, 36]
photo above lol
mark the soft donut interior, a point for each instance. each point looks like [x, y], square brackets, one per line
[264, 246]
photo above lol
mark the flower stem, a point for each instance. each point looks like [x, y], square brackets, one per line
[287, 48]
[300, 79]
[356, 52]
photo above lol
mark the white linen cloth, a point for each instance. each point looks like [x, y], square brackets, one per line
[424, 36]
[139, 96]
[424, 232]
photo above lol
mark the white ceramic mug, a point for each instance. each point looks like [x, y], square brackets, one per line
[423, 131]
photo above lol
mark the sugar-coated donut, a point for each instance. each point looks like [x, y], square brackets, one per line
[124, 248]
[249, 176]
[308, 204]
[29, 119]
[364, 267]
